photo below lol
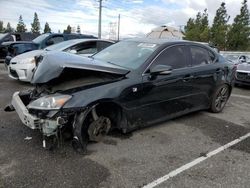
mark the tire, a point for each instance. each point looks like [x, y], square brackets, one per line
[220, 98]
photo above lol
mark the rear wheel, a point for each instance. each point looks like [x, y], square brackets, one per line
[220, 98]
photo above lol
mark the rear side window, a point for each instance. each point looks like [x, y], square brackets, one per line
[201, 56]
[85, 48]
[173, 56]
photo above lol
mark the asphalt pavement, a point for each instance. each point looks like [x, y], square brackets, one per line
[132, 160]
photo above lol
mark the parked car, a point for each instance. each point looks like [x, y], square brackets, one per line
[9, 37]
[236, 58]
[131, 84]
[243, 74]
[22, 67]
[41, 42]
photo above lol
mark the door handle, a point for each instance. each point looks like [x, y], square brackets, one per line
[187, 78]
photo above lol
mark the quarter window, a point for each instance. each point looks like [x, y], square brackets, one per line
[201, 56]
[174, 57]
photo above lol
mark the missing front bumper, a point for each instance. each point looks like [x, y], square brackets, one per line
[47, 127]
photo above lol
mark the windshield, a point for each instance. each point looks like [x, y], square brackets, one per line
[40, 38]
[128, 54]
[61, 45]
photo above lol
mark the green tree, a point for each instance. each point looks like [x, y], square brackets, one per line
[68, 30]
[78, 30]
[238, 35]
[9, 29]
[198, 29]
[35, 26]
[220, 27]
[2, 29]
[21, 27]
[46, 28]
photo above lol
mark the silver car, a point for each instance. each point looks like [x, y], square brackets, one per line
[22, 67]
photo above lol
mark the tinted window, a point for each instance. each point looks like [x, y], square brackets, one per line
[85, 48]
[101, 45]
[174, 57]
[69, 37]
[21, 48]
[56, 39]
[201, 56]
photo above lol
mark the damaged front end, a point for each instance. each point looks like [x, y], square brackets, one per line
[46, 107]
[43, 113]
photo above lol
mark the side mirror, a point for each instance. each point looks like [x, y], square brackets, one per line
[49, 42]
[73, 51]
[161, 70]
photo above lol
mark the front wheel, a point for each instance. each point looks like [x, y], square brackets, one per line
[220, 98]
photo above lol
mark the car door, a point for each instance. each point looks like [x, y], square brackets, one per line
[166, 96]
[205, 71]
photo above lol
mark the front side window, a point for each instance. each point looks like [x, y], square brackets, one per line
[200, 56]
[173, 56]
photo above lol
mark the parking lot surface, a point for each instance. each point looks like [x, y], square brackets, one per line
[131, 160]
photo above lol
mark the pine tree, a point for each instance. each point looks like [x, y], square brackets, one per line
[46, 28]
[21, 27]
[204, 27]
[220, 27]
[2, 29]
[9, 29]
[78, 30]
[238, 36]
[35, 26]
[198, 29]
[68, 30]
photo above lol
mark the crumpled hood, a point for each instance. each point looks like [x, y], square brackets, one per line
[54, 63]
[26, 55]
[243, 67]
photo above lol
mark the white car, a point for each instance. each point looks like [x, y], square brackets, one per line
[22, 67]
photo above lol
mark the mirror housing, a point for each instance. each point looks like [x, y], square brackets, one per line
[161, 70]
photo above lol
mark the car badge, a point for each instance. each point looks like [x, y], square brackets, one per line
[134, 89]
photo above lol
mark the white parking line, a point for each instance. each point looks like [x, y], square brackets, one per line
[195, 162]
[241, 96]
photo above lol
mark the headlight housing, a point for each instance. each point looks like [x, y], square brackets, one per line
[50, 102]
[28, 60]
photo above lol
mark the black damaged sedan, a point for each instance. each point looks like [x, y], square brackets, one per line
[131, 84]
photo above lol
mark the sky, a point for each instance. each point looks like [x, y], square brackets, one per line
[137, 17]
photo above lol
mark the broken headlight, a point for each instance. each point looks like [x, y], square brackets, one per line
[50, 102]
